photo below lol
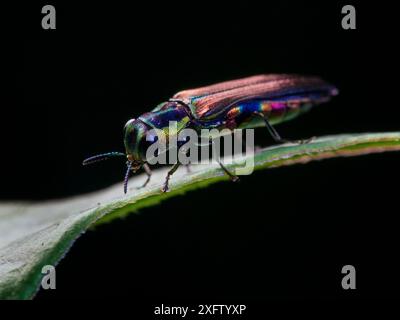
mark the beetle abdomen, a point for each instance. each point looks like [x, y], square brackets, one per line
[244, 115]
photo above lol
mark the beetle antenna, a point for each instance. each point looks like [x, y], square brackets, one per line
[129, 167]
[102, 157]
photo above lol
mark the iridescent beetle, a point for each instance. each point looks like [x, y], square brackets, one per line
[262, 100]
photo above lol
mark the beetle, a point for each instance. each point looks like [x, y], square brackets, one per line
[261, 100]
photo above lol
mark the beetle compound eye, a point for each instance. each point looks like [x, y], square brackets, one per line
[128, 124]
[130, 132]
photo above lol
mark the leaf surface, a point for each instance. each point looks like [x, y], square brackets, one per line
[33, 235]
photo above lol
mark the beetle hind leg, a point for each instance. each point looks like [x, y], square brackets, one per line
[275, 135]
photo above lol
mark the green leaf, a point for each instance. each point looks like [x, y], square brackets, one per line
[33, 235]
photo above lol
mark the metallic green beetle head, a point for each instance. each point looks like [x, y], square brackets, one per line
[135, 132]
[135, 145]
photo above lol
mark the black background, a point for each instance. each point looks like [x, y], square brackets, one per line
[278, 234]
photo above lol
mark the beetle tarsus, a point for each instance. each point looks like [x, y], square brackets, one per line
[233, 177]
[305, 141]
[301, 141]
[165, 187]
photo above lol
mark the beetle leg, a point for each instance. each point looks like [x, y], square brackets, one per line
[169, 174]
[275, 135]
[232, 176]
[147, 170]
[186, 152]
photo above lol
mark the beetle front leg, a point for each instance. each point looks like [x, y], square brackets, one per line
[165, 188]
[147, 170]
[275, 135]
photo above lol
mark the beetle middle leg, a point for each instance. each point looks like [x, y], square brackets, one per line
[275, 135]
[175, 167]
[232, 176]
